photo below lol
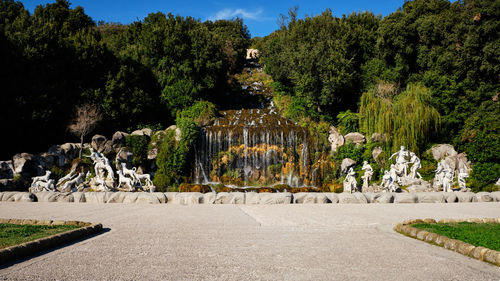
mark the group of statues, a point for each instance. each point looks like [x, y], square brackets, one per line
[402, 170]
[104, 179]
[445, 175]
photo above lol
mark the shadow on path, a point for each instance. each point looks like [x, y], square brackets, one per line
[46, 251]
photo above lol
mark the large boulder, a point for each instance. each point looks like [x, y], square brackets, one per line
[416, 185]
[230, 198]
[64, 153]
[376, 137]
[352, 198]
[356, 138]
[441, 151]
[376, 152]
[146, 197]
[178, 132]
[155, 142]
[346, 164]
[6, 169]
[27, 165]
[335, 138]
[123, 156]
[431, 197]
[331, 197]
[383, 198]
[18, 197]
[483, 197]
[309, 198]
[405, 198]
[143, 132]
[188, 198]
[275, 198]
[465, 196]
[208, 198]
[99, 143]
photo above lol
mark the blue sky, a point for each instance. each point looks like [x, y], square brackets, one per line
[260, 16]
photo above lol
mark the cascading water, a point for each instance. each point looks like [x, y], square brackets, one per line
[253, 147]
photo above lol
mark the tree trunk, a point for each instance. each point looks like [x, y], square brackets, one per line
[81, 147]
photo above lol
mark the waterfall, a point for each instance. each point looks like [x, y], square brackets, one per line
[252, 147]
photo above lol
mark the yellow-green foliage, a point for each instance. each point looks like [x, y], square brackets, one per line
[405, 119]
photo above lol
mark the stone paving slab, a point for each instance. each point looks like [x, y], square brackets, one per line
[249, 242]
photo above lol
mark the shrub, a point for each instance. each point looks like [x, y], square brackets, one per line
[348, 122]
[484, 176]
[349, 150]
[202, 112]
[138, 145]
[174, 157]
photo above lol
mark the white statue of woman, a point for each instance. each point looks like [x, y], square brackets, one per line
[415, 166]
[350, 183]
[367, 177]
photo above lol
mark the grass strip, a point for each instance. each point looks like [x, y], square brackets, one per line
[478, 234]
[15, 234]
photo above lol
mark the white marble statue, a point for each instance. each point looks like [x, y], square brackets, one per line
[72, 184]
[43, 186]
[350, 183]
[367, 177]
[447, 180]
[103, 170]
[67, 177]
[462, 175]
[126, 181]
[388, 182]
[415, 161]
[401, 160]
[43, 178]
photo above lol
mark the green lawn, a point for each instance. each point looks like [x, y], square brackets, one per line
[13, 234]
[477, 234]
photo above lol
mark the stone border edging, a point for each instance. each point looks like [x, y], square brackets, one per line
[190, 198]
[29, 248]
[476, 252]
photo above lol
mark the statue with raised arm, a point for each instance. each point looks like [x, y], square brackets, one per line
[367, 177]
[350, 183]
[401, 160]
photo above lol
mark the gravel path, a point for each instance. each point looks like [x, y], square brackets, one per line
[249, 242]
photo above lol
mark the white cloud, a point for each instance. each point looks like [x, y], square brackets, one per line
[232, 13]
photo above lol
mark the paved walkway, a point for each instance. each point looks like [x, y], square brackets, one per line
[245, 242]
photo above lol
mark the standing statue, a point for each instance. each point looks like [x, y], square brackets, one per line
[388, 182]
[415, 161]
[447, 180]
[462, 175]
[350, 183]
[367, 177]
[401, 160]
[103, 170]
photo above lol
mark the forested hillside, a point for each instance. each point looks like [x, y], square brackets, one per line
[427, 73]
[139, 74]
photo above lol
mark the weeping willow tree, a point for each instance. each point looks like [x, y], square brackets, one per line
[406, 118]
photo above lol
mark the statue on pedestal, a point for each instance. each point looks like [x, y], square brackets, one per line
[367, 177]
[350, 183]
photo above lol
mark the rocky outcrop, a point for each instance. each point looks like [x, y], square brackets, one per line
[335, 138]
[27, 165]
[252, 54]
[64, 153]
[356, 138]
[346, 164]
[143, 132]
[98, 143]
[376, 152]
[441, 151]
[376, 137]
[178, 132]
[6, 169]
